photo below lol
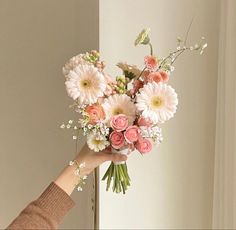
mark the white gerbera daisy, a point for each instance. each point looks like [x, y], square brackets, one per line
[86, 84]
[96, 143]
[119, 104]
[157, 102]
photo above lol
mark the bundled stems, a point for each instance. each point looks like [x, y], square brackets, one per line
[118, 174]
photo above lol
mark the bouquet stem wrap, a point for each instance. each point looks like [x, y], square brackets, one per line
[117, 173]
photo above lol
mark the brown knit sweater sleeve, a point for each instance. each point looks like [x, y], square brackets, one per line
[46, 212]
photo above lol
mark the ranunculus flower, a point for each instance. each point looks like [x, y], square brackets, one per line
[95, 113]
[132, 134]
[117, 139]
[165, 76]
[119, 122]
[143, 145]
[155, 76]
[151, 62]
[144, 122]
[146, 73]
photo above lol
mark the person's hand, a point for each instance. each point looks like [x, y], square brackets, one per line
[92, 159]
[67, 179]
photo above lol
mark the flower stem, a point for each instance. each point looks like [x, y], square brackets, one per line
[151, 49]
[119, 175]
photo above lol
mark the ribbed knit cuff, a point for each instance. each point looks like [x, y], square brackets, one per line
[55, 201]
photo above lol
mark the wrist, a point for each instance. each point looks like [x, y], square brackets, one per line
[71, 177]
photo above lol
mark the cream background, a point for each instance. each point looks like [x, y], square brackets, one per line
[224, 206]
[173, 186]
[36, 38]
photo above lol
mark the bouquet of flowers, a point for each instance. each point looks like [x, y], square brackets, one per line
[124, 114]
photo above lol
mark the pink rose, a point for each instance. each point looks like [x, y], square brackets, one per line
[144, 122]
[151, 62]
[165, 76]
[119, 122]
[143, 145]
[132, 134]
[117, 139]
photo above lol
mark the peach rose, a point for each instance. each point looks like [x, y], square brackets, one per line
[95, 113]
[151, 62]
[119, 122]
[131, 134]
[165, 76]
[117, 139]
[143, 145]
[144, 122]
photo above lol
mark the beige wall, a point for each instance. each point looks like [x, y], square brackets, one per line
[173, 186]
[36, 38]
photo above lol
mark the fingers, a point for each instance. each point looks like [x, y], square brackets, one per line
[114, 157]
[119, 157]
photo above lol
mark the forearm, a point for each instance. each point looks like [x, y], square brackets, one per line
[46, 212]
[67, 180]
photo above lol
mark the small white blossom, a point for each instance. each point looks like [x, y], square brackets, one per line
[70, 121]
[90, 126]
[68, 126]
[154, 132]
[74, 137]
[94, 131]
[79, 189]
[172, 68]
[196, 46]
[77, 172]
[82, 165]
[62, 126]
[71, 163]
[204, 46]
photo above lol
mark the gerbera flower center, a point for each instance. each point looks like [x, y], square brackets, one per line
[117, 111]
[96, 142]
[156, 102]
[86, 83]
